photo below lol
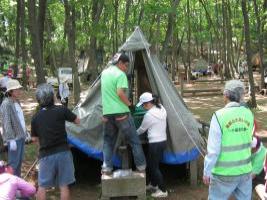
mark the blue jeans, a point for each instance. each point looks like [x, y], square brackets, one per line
[222, 187]
[15, 158]
[112, 126]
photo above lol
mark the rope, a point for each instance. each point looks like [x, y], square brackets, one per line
[167, 96]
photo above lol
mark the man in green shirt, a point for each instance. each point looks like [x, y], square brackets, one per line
[116, 114]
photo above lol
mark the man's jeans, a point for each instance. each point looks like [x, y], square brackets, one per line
[221, 187]
[112, 126]
[15, 157]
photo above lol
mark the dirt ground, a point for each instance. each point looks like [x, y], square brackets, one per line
[88, 185]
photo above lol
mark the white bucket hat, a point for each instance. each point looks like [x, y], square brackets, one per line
[145, 97]
[13, 84]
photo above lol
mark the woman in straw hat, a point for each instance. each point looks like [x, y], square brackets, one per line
[14, 128]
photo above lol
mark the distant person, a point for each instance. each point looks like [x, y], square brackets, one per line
[3, 81]
[116, 114]
[28, 75]
[64, 92]
[14, 127]
[258, 157]
[12, 186]
[241, 71]
[10, 72]
[155, 124]
[56, 167]
[227, 165]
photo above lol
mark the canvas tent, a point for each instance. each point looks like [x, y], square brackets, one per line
[145, 73]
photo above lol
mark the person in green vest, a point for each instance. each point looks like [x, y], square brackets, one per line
[116, 114]
[227, 165]
[257, 159]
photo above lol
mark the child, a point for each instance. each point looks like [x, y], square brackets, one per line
[11, 185]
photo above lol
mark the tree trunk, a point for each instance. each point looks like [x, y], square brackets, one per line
[188, 74]
[169, 32]
[18, 31]
[41, 23]
[229, 39]
[36, 46]
[126, 17]
[157, 44]
[92, 63]
[224, 50]
[248, 52]
[116, 13]
[53, 64]
[260, 41]
[23, 44]
[141, 14]
[70, 14]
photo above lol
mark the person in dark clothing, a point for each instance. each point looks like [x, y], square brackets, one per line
[48, 129]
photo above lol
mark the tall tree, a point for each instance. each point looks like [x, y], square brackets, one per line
[71, 28]
[35, 39]
[97, 7]
[169, 32]
[248, 52]
[23, 43]
[126, 19]
[260, 40]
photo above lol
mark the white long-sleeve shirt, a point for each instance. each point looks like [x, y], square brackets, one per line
[155, 124]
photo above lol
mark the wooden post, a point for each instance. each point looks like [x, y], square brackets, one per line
[193, 172]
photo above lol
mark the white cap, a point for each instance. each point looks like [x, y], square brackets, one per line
[13, 84]
[145, 97]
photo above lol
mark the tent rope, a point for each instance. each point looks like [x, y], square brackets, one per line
[167, 96]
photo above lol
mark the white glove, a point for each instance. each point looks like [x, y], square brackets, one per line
[13, 145]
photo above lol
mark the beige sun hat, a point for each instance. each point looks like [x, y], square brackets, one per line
[13, 84]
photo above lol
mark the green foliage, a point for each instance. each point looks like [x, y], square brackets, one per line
[154, 21]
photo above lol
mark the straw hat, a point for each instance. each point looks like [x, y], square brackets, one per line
[13, 84]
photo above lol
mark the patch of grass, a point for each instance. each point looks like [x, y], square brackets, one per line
[31, 152]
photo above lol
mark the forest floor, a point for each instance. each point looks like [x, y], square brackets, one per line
[88, 185]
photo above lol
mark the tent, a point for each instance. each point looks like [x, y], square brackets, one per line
[145, 73]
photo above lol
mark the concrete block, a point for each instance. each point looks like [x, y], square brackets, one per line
[134, 184]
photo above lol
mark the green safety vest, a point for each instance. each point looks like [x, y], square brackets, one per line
[236, 125]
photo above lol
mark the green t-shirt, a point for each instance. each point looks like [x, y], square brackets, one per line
[112, 79]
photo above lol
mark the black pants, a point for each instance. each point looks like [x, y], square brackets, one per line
[259, 179]
[155, 154]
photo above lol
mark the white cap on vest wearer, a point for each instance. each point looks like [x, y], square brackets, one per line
[13, 84]
[145, 97]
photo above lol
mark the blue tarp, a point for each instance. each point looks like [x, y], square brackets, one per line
[168, 158]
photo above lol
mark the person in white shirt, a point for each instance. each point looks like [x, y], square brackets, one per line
[64, 92]
[155, 124]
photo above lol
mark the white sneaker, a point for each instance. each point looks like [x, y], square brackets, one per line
[159, 194]
[151, 187]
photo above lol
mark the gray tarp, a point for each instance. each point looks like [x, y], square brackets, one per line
[184, 140]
